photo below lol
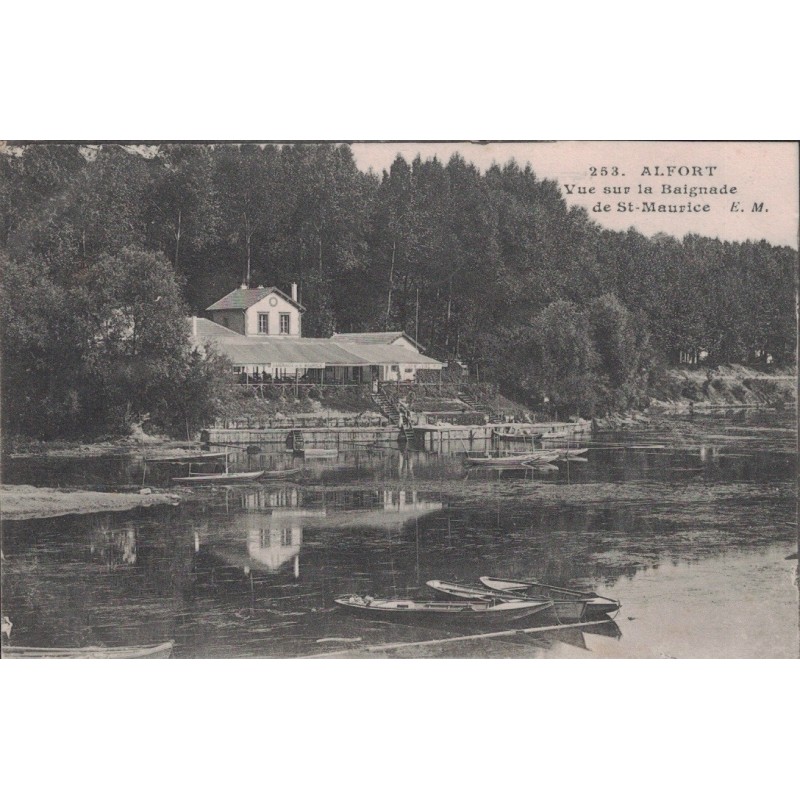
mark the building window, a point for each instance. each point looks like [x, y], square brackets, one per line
[284, 323]
[263, 323]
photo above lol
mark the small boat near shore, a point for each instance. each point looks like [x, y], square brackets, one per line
[532, 458]
[188, 458]
[317, 452]
[564, 610]
[525, 587]
[516, 436]
[486, 611]
[163, 650]
[277, 474]
[219, 477]
[568, 453]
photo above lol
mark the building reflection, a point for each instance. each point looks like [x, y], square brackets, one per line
[266, 535]
[383, 509]
[113, 546]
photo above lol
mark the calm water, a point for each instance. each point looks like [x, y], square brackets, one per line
[688, 525]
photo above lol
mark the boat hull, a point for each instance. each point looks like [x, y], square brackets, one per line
[277, 474]
[518, 459]
[163, 650]
[564, 610]
[316, 452]
[443, 612]
[517, 437]
[220, 477]
[595, 606]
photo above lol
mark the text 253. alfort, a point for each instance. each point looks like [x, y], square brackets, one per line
[659, 171]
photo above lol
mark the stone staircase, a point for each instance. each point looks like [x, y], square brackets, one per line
[479, 407]
[386, 406]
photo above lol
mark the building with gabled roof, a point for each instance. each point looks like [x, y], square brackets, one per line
[260, 332]
[264, 311]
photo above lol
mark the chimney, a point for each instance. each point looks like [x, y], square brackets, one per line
[294, 291]
[243, 286]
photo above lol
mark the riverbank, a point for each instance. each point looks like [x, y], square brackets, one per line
[33, 502]
[727, 386]
[126, 446]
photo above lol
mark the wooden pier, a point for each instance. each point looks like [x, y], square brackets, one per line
[479, 438]
[432, 438]
[316, 438]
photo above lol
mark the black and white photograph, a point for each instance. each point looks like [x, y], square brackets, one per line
[382, 400]
[398, 401]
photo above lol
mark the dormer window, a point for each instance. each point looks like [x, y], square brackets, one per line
[263, 323]
[284, 323]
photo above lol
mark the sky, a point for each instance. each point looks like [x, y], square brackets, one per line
[762, 173]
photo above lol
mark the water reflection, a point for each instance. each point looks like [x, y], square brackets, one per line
[689, 531]
[113, 546]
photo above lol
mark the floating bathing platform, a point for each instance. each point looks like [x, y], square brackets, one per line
[432, 438]
[479, 438]
[323, 438]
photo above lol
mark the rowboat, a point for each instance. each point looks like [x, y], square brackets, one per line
[220, 477]
[556, 435]
[317, 452]
[568, 453]
[133, 651]
[534, 457]
[487, 610]
[595, 604]
[516, 436]
[281, 473]
[188, 458]
[564, 609]
[515, 469]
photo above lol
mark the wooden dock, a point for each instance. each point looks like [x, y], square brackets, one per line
[315, 438]
[479, 438]
[432, 438]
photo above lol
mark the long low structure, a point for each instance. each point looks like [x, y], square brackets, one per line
[336, 360]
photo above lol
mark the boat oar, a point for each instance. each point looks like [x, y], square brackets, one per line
[430, 642]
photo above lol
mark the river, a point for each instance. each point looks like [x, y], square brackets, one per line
[690, 524]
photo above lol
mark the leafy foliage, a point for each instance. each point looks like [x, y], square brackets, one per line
[490, 268]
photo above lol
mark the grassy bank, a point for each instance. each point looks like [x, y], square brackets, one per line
[32, 502]
[729, 385]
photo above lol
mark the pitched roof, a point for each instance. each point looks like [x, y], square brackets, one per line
[245, 350]
[240, 299]
[242, 350]
[387, 354]
[202, 328]
[377, 337]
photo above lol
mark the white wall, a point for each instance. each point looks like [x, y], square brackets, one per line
[274, 305]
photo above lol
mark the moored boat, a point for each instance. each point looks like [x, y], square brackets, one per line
[220, 477]
[163, 650]
[516, 436]
[568, 453]
[565, 609]
[596, 605]
[281, 473]
[488, 611]
[317, 452]
[533, 457]
[187, 458]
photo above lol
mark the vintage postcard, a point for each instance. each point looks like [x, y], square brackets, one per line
[433, 400]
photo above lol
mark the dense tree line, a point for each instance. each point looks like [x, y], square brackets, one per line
[493, 268]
